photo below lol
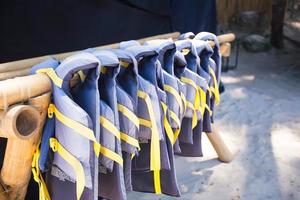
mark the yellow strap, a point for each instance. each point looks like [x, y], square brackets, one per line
[155, 145]
[79, 128]
[37, 176]
[52, 75]
[157, 185]
[112, 155]
[196, 100]
[81, 75]
[189, 81]
[185, 51]
[175, 118]
[145, 122]
[215, 88]
[176, 95]
[203, 100]
[176, 134]
[129, 114]
[167, 125]
[208, 109]
[77, 167]
[130, 140]
[110, 127]
[124, 64]
[103, 70]
[155, 164]
[184, 101]
[194, 118]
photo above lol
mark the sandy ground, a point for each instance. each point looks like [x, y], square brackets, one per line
[259, 118]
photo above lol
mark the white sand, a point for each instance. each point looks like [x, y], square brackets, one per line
[259, 118]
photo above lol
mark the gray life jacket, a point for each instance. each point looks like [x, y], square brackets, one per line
[191, 81]
[153, 156]
[129, 122]
[214, 66]
[147, 181]
[74, 170]
[172, 85]
[111, 183]
[194, 149]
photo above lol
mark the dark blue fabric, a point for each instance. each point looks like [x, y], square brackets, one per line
[34, 28]
[194, 15]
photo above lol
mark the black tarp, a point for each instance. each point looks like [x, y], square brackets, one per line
[34, 28]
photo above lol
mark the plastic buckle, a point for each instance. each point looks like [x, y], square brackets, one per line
[53, 144]
[51, 110]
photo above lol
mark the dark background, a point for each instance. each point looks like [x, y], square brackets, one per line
[35, 28]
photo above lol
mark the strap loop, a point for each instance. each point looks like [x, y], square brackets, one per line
[52, 75]
[80, 177]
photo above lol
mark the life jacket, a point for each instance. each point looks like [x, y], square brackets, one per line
[215, 67]
[127, 86]
[191, 80]
[153, 156]
[111, 180]
[179, 68]
[72, 130]
[173, 107]
[199, 48]
[172, 85]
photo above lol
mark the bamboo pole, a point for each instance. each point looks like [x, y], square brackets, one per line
[219, 145]
[28, 63]
[23, 65]
[11, 74]
[22, 88]
[16, 169]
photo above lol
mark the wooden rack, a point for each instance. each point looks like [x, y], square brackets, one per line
[24, 100]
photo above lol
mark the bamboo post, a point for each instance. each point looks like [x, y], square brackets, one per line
[22, 125]
[219, 145]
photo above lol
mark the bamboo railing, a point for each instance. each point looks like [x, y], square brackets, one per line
[23, 107]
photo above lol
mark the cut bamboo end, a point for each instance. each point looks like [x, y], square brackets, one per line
[21, 122]
[225, 49]
[16, 169]
[219, 145]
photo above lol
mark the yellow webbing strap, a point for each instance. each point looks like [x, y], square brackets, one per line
[208, 109]
[110, 127]
[176, 95]
[185, 51]
[112, 155]
[81, 75]
[79, 128]
[130, 140]
[175, 118]
[202, 100]
[52, 75]
[124, 64]
[155, 164]
[88, 133]
[80, 177]
[103, 70]
[176, 134]
[194, 118]
[145, 122]
[129, 114]
[215, 88]
[196, 100]
[37, 176]
[167, 125]
[184, 102]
